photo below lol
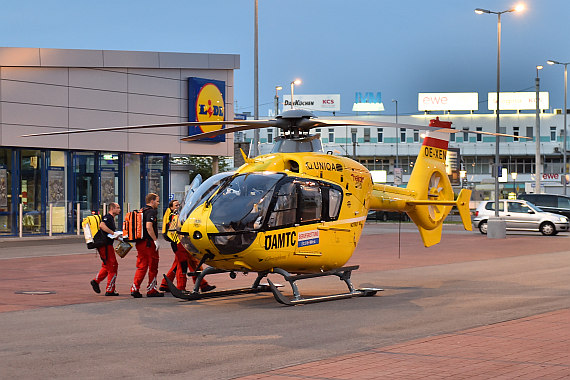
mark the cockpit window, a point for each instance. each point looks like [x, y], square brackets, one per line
[242, 203]
[285, 209]
[203, 192]
[301, 201]
[335, 200]
[311, 202]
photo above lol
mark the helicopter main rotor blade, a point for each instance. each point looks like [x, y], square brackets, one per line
[246, 123]
[261, 124]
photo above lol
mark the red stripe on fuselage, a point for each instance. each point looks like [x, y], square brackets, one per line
[436, 143]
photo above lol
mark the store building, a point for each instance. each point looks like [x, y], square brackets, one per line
[44, 90]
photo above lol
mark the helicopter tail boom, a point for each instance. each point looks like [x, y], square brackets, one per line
[429, 197]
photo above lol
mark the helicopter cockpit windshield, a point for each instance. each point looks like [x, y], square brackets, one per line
[204, 191]
[242, 203]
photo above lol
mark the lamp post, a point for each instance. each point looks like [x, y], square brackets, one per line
[277, 89]
[295, 82]
[500, 227]
[538, 164]
[564, 112]
[397, 132]
[255, 150]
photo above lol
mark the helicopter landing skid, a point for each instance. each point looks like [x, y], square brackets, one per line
[196, 295]
[343, 273]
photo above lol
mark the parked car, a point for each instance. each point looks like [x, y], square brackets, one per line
[387, 215]
[520, 215]
[558, 204]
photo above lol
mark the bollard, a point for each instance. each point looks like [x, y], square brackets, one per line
[78, 214]
[21, 219]
[50, 219]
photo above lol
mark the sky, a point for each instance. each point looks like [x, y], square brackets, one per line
[396, 47]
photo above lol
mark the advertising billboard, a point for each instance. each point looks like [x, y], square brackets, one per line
[206, 102]
[368, 102]
[448, 101]
[327, 102]
[516, 101]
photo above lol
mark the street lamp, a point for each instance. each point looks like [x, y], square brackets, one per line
[295, 82]
[501, 233]
[538, 164]
[564, 111]
[255, 150]
[277, 89]
[397, 132]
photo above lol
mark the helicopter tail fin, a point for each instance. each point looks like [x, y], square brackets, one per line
[433, 196]
[429, 197]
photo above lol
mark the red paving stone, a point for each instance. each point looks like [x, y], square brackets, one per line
[536, 347]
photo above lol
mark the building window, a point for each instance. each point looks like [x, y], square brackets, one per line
[479, 136]
[452, 137]
[465, 135]
[380, 135]
[416, 135]
[552, 133]
[530, 132]
[403, 135]
[270, 135]
[353, 135]
[367, 135]
[516, 132]
[331, 135]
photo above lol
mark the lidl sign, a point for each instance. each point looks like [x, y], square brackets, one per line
[206, 102]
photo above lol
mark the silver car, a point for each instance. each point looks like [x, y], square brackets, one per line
[520, 215]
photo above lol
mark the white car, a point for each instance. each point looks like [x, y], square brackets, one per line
[520, 215]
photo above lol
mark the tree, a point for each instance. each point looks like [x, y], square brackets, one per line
[203, 166]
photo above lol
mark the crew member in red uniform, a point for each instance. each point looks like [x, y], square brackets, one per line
[147, 250]
[107, 253]
[182, 259]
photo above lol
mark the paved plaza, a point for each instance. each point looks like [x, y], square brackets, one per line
[471, 307]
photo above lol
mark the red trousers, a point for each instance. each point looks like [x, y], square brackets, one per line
[109, 267]
[182, 260]
[147, 260]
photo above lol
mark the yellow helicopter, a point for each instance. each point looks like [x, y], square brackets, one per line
[298, 212]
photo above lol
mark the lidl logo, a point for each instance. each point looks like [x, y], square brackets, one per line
[210, 106]
[206, 103]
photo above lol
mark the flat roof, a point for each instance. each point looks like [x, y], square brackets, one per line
[42, 57]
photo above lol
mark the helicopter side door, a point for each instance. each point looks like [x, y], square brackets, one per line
[303, 204]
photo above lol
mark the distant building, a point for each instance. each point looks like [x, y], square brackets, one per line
[376, 148]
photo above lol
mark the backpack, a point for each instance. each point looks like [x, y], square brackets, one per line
[91, 231]
[133, 225]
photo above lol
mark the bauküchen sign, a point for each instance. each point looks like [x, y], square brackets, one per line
[329, 102]
[518, 100]
[448, 101]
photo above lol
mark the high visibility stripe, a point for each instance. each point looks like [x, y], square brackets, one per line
[436, 143]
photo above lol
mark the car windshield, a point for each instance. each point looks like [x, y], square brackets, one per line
[241, 204]
[534, 207]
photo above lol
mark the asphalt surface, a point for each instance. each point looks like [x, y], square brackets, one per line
[467, 281]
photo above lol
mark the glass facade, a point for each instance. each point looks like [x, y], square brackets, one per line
[6, 207]
[51, 185]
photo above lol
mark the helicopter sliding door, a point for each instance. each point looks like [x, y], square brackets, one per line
[299, 207]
